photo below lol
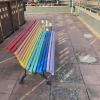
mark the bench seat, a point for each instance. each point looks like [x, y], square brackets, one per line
[34, 48]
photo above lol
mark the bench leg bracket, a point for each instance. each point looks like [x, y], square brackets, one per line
[22, 78]
[47, 79]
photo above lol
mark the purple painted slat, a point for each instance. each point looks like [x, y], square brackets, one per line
[50, 62]
[52, 55]
[49, 54]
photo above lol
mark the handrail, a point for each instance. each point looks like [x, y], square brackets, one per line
[89, 9]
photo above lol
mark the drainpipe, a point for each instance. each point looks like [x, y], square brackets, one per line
[98, 2]
[72, 5]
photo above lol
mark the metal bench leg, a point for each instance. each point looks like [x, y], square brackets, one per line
[47, 79]
[22, 78]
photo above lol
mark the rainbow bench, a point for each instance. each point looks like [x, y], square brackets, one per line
[34, 48]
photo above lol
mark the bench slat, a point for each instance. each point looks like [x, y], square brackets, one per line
[16, 46]
[19, 36]
[42, 67]
[34, 49]
[52, 54]
[36, 53]
[23, 54]
[27, 42]
[49, 54]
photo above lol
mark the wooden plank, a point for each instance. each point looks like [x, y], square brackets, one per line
[49, 54]
[23, 52]
[52, 55]
[22, 39]
[45, 54]
[17, 38]
[36, 53]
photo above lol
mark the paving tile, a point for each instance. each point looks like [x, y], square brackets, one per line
[82, 27]
[69, 21]
[68, 73]
[97, 50]
[6, 86]
[4, 96]
[84, 51]
[66, 92]
[94, 92]
[10, 70]
[27, 86]
[64, 58]
[61, 42]
[79, 41]
[4, 55]
[58, 28]
[96, 43]
[64, 53]
[62, 33]
[77, 36]
[91, 74]
[15, 97]
[41, 93]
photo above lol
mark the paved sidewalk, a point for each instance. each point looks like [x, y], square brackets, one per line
[73, 79]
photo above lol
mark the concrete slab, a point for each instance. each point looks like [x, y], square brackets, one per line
[77, 35]
[4, 96]
[91, 74]
[64, 58]
[96, 45]
[81, 26]
[6, 86]
[61, 34]
[94, 92]
[41, 93]
[10, 70]
[84, 51]
[5, 55]
[64, 52]
[27, 86]
[78, 41]
[97, 49]
[68, 73]
[66, 92]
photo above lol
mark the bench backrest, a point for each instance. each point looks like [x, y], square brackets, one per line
[34, 48]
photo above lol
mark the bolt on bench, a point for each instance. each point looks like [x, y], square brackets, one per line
[34, 48]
